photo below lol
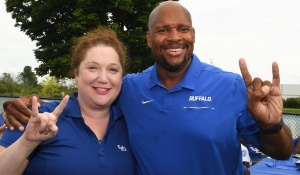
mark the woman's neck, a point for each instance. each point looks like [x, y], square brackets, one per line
[96, 119]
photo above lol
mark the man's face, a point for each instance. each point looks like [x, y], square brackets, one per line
[171, 38]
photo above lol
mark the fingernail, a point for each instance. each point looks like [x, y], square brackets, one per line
[265, 88]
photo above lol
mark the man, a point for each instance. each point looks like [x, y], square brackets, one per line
[245, 156]
[254, 153]
[186, 117]
[245, 159]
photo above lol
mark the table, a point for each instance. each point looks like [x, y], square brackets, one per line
[269, 166]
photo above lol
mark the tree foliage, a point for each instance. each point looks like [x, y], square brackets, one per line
[55, 25]
[7, 84]
[28, 78]
[50, 86]
[292, 103]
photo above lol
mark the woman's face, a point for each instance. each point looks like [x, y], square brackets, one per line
[99, 77]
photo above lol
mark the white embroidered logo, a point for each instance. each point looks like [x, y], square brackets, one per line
[145, 102]
[206, 99]
[200, 98]
[122, 148]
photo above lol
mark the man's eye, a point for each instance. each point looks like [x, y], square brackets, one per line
[162, 31]
[183, 29]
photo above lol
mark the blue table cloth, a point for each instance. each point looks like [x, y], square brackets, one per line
[269, 166]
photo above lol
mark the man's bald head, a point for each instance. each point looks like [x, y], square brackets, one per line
[172, 6]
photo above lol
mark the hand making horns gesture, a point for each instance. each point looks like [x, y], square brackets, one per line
[42, 126]
[264, 98]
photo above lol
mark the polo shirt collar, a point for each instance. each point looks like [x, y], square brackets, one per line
[73, 110]
[190, 79]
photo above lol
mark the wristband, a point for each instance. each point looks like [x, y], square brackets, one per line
[273, 130]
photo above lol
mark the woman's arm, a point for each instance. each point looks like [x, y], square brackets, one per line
[40, 127]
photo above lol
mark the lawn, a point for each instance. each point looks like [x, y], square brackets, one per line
[291, 110]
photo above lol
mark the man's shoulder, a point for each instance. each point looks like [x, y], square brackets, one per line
[48, 106]
[132, 77]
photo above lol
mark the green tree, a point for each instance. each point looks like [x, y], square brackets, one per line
[28, 78]
[292, 103]
[50, 87]
[8, 84]
[55, 25]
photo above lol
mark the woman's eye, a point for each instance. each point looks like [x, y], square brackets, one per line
[92, 68]
[113, 70]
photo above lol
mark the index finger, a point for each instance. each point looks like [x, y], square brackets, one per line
[58, 110]
[35, 111]
[245, 73]
[2, 128]
[276, 76]
[20, 106]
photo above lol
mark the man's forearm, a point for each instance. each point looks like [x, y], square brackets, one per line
[277, 145]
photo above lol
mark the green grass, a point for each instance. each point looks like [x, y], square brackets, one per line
[291, 110]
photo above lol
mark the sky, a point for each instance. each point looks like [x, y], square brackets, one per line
[261, 31]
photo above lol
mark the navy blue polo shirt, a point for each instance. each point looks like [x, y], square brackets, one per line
[1, 120]
[76, 149]
[191, 129]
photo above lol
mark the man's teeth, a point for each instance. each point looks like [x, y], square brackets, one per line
[174, 50]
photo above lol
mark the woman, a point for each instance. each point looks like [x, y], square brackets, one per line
[92, 136]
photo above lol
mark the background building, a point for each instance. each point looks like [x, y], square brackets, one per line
[290, 90]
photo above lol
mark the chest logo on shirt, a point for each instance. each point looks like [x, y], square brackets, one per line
[200, 98]
[145, 102]
[122, 148]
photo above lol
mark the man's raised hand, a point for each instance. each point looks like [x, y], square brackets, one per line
[264, 98]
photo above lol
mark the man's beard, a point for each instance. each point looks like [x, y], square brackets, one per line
[173, 67]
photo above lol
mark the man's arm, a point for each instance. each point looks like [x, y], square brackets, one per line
[266, 106]
[282, 140]
[18, 110]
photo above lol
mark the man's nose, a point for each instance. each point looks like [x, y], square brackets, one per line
[174, 34]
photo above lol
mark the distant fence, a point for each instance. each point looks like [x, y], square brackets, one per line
[293, 121]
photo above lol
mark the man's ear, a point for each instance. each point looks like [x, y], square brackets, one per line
[148, 37]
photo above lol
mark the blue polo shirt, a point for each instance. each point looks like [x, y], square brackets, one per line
[1, 120]
[254, 153]
[76, 150]
[191, 129]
